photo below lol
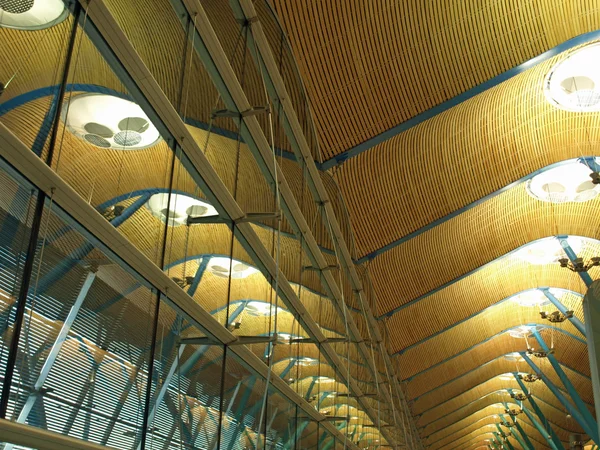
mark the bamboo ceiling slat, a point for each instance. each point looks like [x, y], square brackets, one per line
[482, 390]
[497, 281]
[497, 227]
[484, 325]
[370, 67]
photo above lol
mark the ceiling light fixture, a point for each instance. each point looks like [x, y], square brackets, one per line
[547, 250]
[224, 267]
[530, 298]
[177, 211]
[107, 121]
[32, 14]
[569, 182]
[574, 83]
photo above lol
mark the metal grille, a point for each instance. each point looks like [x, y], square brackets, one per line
[128, 138]
[16, 6]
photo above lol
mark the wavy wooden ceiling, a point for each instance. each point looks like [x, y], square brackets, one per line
[393, 61]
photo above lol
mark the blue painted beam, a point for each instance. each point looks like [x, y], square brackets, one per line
[563, 309]
[591, 312]
[442, 107]
[543, 431]
[198, 276]
[537, 409]
[524, 435]
[593, 433]
[581, 406]
[516, 434]
[587, 279]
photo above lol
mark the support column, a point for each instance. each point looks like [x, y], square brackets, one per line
[581, 406]
[590, 431]
[537, 411]
[591, 312]
[563, 309]
[541, 429]
[517, 435]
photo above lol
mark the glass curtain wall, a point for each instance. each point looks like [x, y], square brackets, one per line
[92, 349]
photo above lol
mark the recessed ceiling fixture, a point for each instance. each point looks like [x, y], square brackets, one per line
[548, 250]
[569, 182]
[574, 83]
[107, 121]
[224, 267]
[177, 211]
[534, 297]
[32, 14]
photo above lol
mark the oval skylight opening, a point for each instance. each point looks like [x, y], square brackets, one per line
[574, 83]
[261, 309]
[530, 298]
[107, 121]
[32, 14]
[514, 357]
[522, 331]
[569, 182]
[548, 250]
[179, 209]
[224, 267]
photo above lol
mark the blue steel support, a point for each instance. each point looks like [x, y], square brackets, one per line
[289, 367]
[542, 430]
[581, 406]
[564, 242]
[516, 434]
[240, 411]
[537, 410]
[529, 444]
[591, 312]
[198, 275]
[574, 320]
[593, 433]
[55, 350]
[296, 435]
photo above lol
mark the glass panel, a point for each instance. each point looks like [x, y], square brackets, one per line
[85, 342]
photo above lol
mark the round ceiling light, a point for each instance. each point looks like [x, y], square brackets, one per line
[574, 83]
[534, 297]
[32, 14]
[548, 250]
[224, 267]
[570, 182]
[177, 211]
[522, 331]
[324, 380]
[306, 361]
[107, 121]
[262, 309]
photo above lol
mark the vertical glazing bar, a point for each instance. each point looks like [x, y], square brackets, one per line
[591, 312]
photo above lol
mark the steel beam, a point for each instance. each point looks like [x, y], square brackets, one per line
[581, 406]
[516, 434]
[547, 436]
[537, 410]
[591, 312]
[562, 308]
[564, 242]
[590, 431]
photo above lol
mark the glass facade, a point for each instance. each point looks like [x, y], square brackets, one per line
[163, 292]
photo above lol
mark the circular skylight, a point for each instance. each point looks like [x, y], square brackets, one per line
[107, 121]
[574, 83]
[570, 182]
[514, 357]
[522, 331]
[534, 297]
[264, 309]
[548, 250]
[306, 361]
[32, 14]
[224, 267]
[177, 211]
